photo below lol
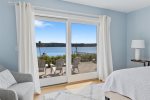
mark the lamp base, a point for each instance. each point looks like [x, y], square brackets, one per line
[137, 54]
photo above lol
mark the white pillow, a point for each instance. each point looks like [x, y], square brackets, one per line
[6, 79]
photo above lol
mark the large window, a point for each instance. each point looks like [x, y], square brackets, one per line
[66, 50]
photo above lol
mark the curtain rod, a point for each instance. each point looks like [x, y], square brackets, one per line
[61, 11]
[64, 11]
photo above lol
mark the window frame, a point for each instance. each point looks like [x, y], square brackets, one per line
[68, 19]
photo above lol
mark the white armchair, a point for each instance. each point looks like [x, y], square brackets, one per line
[23, 90]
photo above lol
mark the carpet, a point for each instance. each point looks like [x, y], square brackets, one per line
[85, 92]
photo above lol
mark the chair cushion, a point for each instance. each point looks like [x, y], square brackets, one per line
[6, 79]
[23, 90]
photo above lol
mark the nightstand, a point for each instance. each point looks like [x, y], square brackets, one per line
[145, 62]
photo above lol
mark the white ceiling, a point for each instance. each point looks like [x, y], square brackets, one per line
[118, 5]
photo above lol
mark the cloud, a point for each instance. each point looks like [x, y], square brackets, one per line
[39, 23]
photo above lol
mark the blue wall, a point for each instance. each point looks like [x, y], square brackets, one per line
[138, 27]
[8, 53]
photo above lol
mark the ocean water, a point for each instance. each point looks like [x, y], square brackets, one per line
[58, 51]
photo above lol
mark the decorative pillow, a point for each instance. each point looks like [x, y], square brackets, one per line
[6, 79]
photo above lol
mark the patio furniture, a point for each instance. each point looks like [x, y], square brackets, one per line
[94, 60]
[59, 65]
[75, 64]
[42, 66]
[52, 68]
[22, 90]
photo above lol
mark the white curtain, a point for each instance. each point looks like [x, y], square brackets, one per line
[27, 57]
[104, 48]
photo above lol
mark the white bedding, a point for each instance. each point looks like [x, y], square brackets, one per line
[133, 83]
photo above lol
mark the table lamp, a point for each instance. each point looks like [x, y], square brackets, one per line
[137, 45]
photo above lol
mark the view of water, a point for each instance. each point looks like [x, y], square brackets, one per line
[55, 51]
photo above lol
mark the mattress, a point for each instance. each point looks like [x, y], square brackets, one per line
[115, 96]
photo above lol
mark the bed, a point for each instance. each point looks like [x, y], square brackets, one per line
[128, 84]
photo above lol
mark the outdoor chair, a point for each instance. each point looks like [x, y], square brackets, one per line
[75, 64]
[42, 66]
[59, 65]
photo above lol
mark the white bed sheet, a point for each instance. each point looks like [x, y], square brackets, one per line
[133, 83]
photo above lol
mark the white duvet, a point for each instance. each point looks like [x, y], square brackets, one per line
[133, 83]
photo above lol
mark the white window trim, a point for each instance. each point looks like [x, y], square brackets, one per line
[79, 18]
[71, 19]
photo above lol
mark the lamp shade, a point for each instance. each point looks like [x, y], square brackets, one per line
[138, 44]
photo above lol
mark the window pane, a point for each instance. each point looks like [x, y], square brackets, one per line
[51, 48]
[83, 48]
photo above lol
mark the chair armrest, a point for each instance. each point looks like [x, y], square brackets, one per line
[20, 77]
[8, 94]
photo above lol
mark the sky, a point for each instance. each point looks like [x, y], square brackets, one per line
[55, 32]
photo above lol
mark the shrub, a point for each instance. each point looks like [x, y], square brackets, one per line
[52, 59]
